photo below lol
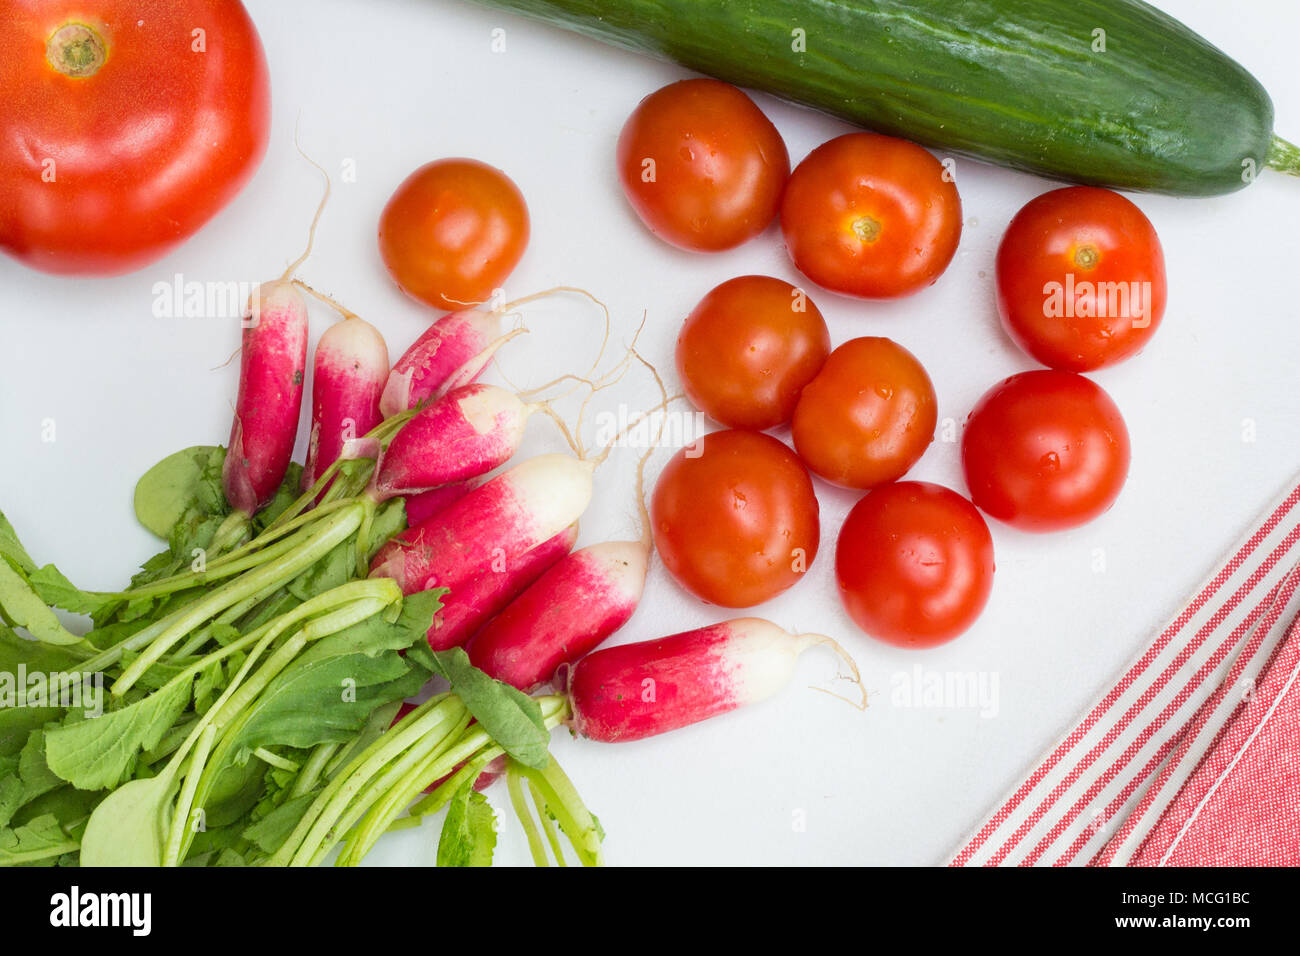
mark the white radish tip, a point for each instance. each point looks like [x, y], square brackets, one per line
[356, 338]
[625, 560]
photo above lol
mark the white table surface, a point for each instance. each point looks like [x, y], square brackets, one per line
[387, 85]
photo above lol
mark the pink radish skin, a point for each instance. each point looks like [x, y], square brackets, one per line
[348, 376]
[450, 353]
[567, 613]
[640, 690]
[467, 607]
[424, 505]
[501, 519]
[483, 538]
[272, 365]
[465, 433]
[504, 517]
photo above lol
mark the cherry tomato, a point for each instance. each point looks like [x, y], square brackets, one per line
[871, 216]
[1045, 450]
[735, 518]
[749, 348]
[914, 563]
[1081, 278]
[125, 125]
[701, 165]
[453, 231]
[867, 416]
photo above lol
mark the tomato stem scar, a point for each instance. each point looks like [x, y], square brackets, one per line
[1086, 257]
[76, 50]
[867, 229]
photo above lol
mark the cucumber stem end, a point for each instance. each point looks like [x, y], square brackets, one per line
[1284, 157]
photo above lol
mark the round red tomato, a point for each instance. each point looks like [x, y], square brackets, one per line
[124, 126]
[871, 216]
[867, 416]
[453, 231]
[701, 165]
[748, 349]
[735, 518]
[914, 563]
[1045, 450]
[1081, 278]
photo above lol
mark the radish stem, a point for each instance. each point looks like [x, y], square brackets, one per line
[524, 813]
[312, 769]
[333, 800]
[548, 824]
[181, 814]
[160, 637]
[560, 797]
[381, 816]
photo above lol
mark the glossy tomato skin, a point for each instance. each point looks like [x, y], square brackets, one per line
[1081, 278]
[871, 216]
[867, 416]
[1045, 450]
[748, 349]
[453, 231]
[701, 165]
[735, 518]
[103, 173]
[914, 562]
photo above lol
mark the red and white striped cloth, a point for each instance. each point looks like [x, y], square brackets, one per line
[1193, 756]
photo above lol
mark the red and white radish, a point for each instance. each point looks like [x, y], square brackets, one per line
[514, 512]
[453, 351]
[272, 365]
[570, 610]
[349, 371]
[639, 690]
[487, 532]
[484, 594]
[567, 612]
[466, 433]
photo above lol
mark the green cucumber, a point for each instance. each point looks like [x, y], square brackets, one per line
[1107, 92]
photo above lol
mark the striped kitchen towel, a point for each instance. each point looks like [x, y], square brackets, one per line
[1193, 756]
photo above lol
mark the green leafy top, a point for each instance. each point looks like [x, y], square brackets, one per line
[509, 716]
[181, 486]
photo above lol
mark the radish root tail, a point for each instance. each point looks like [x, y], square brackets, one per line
[311, 234]
[328, 300]
[576, 290]
[647, 534]
[855, 676]
[546, 409]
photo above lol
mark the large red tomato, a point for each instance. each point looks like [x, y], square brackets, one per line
[914, 563]
[867, 416]
[701, 165]
[124, 126]
[1081, 278]
[871, 216]
[735, 518]
[1045, 450]
[748, 349]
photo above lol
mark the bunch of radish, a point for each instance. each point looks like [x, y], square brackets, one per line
[415, 544]
[524, 605]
